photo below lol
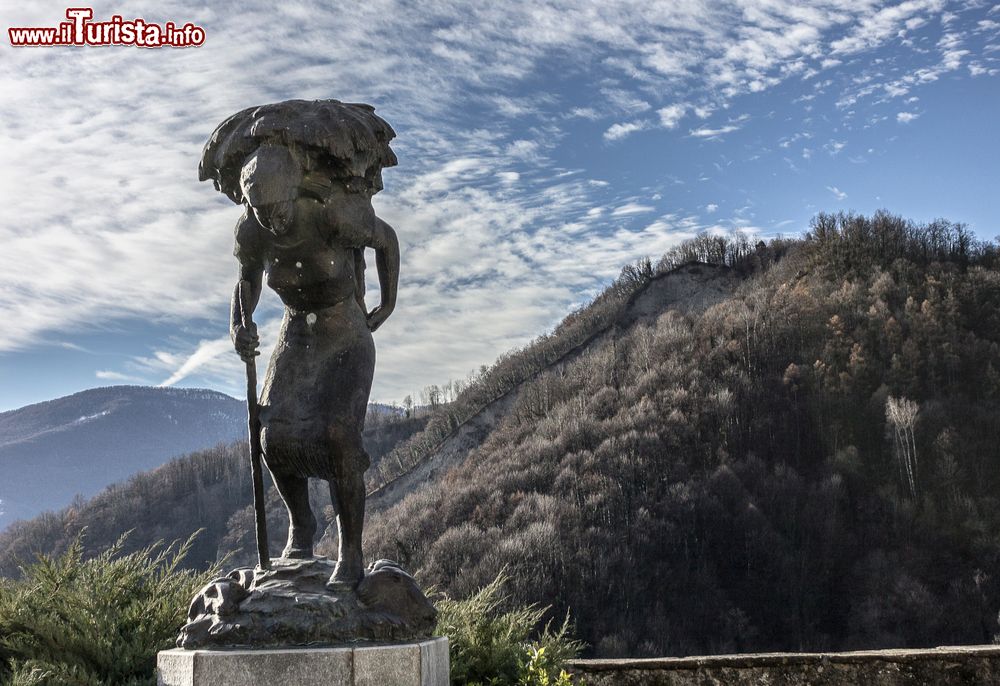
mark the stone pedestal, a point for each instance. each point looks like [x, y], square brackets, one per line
[421, 663]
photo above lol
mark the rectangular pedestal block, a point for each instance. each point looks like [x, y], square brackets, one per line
[423, 663]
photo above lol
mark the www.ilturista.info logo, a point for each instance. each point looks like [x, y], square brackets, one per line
[80, 30]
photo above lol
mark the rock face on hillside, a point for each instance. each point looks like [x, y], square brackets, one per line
[291, 605]
[690, 288]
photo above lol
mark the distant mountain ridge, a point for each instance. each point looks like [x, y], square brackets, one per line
[76, 445]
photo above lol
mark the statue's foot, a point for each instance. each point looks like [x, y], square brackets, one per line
[299, 545]
[297, 552]
[346, 576]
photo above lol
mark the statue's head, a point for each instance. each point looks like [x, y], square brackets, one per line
[271, 180]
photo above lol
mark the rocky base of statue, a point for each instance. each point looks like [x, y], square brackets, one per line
[290, 605]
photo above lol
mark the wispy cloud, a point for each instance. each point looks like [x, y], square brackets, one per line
[618, 131]
[906, 117]
[631, 208]
[706, 132]
[671, 115]
[106, 225]
[837, 193]
[834, 147]
[878, 25]
[203, 354]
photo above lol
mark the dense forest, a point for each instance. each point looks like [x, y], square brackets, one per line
[810, 463]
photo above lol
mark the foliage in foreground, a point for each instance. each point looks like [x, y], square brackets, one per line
[493, 646]
[70, 621]
[75, 622]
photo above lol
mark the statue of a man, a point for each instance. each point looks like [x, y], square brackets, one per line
[306, 173]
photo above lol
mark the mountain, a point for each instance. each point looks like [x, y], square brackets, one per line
[77, 445]
[787, 446]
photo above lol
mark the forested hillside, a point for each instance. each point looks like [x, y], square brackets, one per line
[810, 464]
[208, 490]
[787, 446]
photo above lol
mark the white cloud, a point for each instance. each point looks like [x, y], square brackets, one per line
[875, 83]
[584, 113]
[618, 131]
[671, 115]
[631, 208]
[711, 207]
[203, 354]
[524, 150]
[834, 147]
[514, 107]
[977, 69]
[706, 132]
[837, 193]
[625, 102]
[879, 25]
[906, 117]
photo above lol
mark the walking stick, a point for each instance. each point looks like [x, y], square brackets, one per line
[253, 422]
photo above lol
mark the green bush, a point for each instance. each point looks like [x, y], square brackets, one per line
[100, 622]
[97, 622]
[491, 646]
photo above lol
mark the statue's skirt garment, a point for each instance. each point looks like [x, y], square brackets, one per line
[315, 394]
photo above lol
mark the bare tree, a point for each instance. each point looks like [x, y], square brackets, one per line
[901, 415]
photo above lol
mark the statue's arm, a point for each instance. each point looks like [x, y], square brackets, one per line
[359, 278]
[386, 245]
[245, 338]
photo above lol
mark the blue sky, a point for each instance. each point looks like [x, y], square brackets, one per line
[542, 146]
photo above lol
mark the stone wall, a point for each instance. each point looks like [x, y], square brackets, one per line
[953, 666]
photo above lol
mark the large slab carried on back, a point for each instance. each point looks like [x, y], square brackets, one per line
[420, 663]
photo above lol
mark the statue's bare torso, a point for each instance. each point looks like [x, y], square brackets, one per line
[313, 264]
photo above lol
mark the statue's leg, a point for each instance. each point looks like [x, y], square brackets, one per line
[294, 491]
[347, 491]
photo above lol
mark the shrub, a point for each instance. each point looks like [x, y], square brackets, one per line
[97, 622]
[492, 646]
[540, 668]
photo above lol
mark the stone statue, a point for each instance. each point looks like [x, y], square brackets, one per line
[305, 172]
